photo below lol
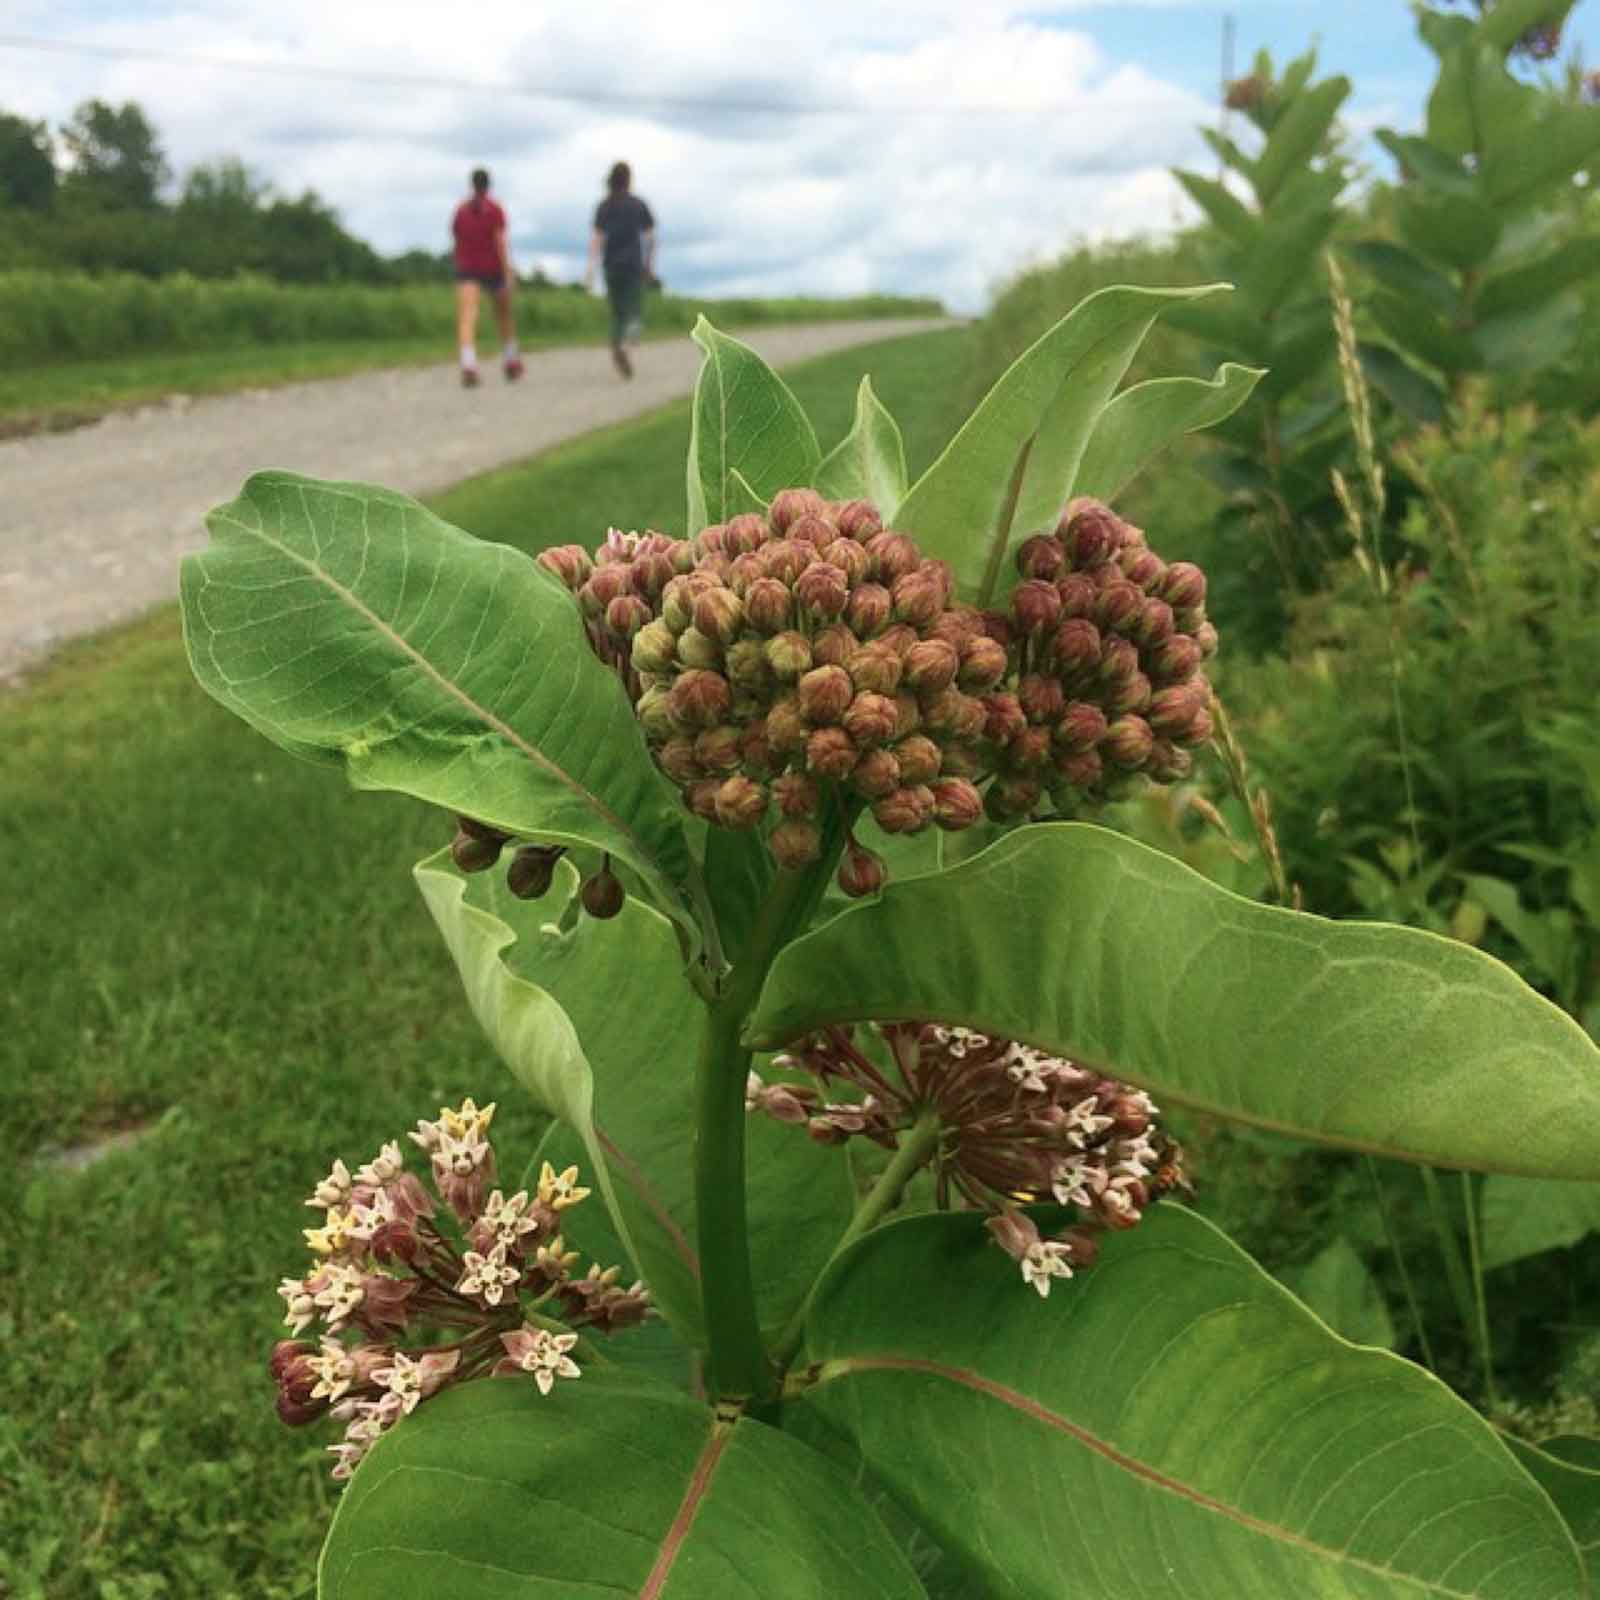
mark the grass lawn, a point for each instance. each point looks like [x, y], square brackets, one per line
[221, 947]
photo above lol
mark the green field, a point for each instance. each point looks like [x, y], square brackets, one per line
[222, 948]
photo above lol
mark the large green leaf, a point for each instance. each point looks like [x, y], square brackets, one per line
[1142, 421]
[1461, 231]
[1526, 1216]
[1011, 468]
[1297, 135]
[609, 1485]
[628, 1086]
[1567, 1468]
[353, 627]
[745, 420]
[869, 463]
[1076, 939]
[1171, 1422]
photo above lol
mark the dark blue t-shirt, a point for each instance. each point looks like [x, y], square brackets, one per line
[622, 218]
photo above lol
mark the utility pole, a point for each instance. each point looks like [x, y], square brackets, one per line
[1222, 92]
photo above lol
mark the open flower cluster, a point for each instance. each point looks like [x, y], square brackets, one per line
[1017, 1126]
[776, 660]
[388, 1266]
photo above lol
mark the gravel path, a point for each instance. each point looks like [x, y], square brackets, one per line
[93, 522]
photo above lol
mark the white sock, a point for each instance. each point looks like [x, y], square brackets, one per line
[469, 358]
[511, 349]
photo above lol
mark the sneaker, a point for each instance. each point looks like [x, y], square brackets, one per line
[469, 377]
[514, 369]
[619, 359]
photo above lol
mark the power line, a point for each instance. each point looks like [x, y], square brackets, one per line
[526, 90]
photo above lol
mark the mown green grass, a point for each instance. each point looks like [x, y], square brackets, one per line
[222, 945]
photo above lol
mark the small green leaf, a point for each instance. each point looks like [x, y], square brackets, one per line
[1078, 940]
[1170, 1422]
[1297, 135]
[1420, 331]
[1406, 274]
[1530, 340]
[1227, 212]
[609, 1485]
[1435, 169]
[745, 420]
[1534, 283]
[1504, 23]
[1406, 389]
[353, 627]
[1336, 1285]
[1524, 1217]
[1011, 468]
[1142, 421]
[1284, 259]
[1460, 231]
[869, 463]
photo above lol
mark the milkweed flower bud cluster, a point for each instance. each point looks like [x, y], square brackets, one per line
[1017, 1126]
[393, 1263]
[777, 660]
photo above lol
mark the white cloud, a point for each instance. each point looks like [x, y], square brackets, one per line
[925, 146]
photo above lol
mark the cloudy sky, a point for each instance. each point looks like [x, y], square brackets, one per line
[924, 146]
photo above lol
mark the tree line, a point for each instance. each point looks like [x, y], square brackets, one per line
[97, 195]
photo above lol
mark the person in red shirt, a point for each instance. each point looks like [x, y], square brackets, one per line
[482, 262]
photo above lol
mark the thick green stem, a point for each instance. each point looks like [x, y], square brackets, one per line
[1475, 1254]
[916, 1146]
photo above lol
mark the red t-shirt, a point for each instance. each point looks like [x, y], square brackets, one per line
[476, 224]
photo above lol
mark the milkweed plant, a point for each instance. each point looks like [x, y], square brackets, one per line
[776, 882]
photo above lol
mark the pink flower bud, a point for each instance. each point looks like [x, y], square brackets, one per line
[701, 798]
[569, 562]
[747, 668]
[677, 759]
[907, 715]
[919, 759]
[1133, 694]
[869, 719]
[892, 556]
[605, 584]
[956, 803]
[696, 649]
[1141, 567]
[907, 810]
[1128, 742]
[1035, 606]
[677, 604]
[1010, 798]
[654, 648]
[1083, 1248]
[849, 557]
[1153, 625]
[717, 749]
[741, 803]
[1183, 585]
[797, 794]
[1172, 710]
[916, 599]
[786, 726]
[950, 713]
[1200, 729]
[996, 625]
[626, 615]
[876, 774]
[700, 699]
[1118, 604]
[1175, 660]
[822, 590]
[1040, 697]
[1206, 637]
[767, 605]
[1076, 647]
[860, 871]
[1014, 1233]
[795, 844]
[830, 753]
[719, 614]
[651, 574]
[1169, 763]
[384, 1300]
[785, 559]
[876, 668]
[816, 531]
[857, 519]
[1004, 718]
[1041, 557]
[1090, 533]
[956, 626]
[868, 609]
[983, 664]
[712, 540]
[834, 645]
[1119, 660]
[746, 532]
[961, 761]
[1082, 769]
[789, 655]
[1028, 750]
[788, 505]
[602, 894]
[824, 693]
[286, 1353]
[931, 665]
[1081, 726]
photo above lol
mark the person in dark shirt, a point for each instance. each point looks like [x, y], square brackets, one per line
[624, 242]
[483, 261]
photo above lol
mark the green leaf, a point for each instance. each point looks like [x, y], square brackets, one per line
[869, 463]
[1012, 467]
[1504, 23]
[1336, 1285]
[1227, 327]
[609, 1485]
[1524, 1217]
[1418, 330]
[1297, 135]
[1284, 260]
[628, 1087]
[1534, 141]
[1546, 938]
[1077, 940]
[1227, 212]
[1296, 358]
[1229, 153]
[1406, 389]
[1406, 274]
[1171, 1422]
[744, 420]
[1435, 169]
[1142, 421]
[1461, 231]
[1567, 1468]
[1530, 340]
[1536, 282]
[353, 627]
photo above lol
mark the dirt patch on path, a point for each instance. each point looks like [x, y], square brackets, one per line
[93, 522]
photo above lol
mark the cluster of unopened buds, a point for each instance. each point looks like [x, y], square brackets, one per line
[781, 663]
[1016, 1126]
[496, 1293]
